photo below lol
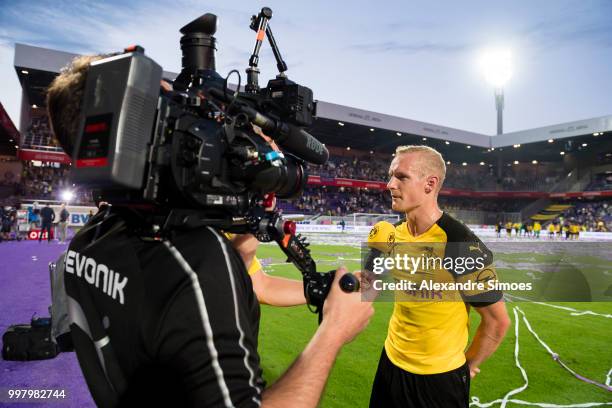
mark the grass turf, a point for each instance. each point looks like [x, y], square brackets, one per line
[581, 341]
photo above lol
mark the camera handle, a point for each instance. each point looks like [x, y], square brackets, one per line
[316, 284]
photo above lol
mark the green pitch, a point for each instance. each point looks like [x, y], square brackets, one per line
[582, 342]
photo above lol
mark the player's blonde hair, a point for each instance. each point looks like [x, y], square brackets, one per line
[430, 162]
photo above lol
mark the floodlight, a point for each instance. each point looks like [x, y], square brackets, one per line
[67, 195]
[497, 67]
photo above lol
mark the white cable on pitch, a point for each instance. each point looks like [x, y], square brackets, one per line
[505, 400]
[574, 312]
[555, 356]
[518, 364]
[476, 402]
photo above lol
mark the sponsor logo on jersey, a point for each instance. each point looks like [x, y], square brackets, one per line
[96, 274]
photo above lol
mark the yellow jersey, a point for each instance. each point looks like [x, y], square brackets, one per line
[430, 336]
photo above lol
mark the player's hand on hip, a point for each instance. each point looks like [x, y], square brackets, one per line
[473, 371]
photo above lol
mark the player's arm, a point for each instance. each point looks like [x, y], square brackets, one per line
[277, 291]
[270, 290]
[488, 302]
[494, 323]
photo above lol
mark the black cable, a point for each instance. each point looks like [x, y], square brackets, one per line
[225, 84]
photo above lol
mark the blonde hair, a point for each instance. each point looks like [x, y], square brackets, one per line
[430, 161]
[64, 97]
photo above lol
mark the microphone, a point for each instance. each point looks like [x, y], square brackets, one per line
[380, 241]
[300, 143]
[290, 137]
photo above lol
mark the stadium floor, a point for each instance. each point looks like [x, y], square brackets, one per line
[24, 279]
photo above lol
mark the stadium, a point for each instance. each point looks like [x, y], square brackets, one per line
[526, 194]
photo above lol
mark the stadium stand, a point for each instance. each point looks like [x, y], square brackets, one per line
[512, 176]
[600, 182]
[476, 177]
[591, 216]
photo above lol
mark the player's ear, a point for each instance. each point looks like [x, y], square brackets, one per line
[431, 184]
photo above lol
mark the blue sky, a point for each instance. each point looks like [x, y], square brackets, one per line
[414, 59]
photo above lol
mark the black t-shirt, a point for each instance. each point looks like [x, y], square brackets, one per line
[173, 322]
[47, 215]
[64, 214]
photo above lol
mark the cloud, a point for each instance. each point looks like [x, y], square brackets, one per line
[580, 25]
[412, 48]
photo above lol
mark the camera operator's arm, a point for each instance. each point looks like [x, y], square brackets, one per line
[344, 316]
[270, 290]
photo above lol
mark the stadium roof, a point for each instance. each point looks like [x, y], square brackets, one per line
[9, 136]
[346, 126]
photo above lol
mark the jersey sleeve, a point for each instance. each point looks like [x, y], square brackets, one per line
[472, 263]
[473, 267]
[208, 333]
[254, 267]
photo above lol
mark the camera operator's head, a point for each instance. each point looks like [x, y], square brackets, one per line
[64, 97]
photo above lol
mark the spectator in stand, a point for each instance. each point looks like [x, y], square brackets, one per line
[63, 224]
[592, 216]
[47, 216]
[518, 177]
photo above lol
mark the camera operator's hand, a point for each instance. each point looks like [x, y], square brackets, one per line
[345, 314]
[366, 284]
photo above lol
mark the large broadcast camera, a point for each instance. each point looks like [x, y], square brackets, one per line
[192, 155]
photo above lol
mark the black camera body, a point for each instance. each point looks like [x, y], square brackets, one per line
[193, 155]
[175, 149]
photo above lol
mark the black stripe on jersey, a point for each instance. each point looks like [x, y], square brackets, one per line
[464, 243]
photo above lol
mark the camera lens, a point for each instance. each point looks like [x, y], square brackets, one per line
[287, 181]
[295, 179]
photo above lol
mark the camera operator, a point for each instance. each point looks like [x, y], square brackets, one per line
[174, 321]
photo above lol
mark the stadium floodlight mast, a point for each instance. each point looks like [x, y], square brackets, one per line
[497, 68]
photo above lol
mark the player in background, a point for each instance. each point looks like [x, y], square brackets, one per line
[537, 227]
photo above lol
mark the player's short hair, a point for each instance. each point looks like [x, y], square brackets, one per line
[64, 97]
[430, 163]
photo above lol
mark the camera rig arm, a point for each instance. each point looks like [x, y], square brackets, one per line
[261, 25]
[270, 226]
